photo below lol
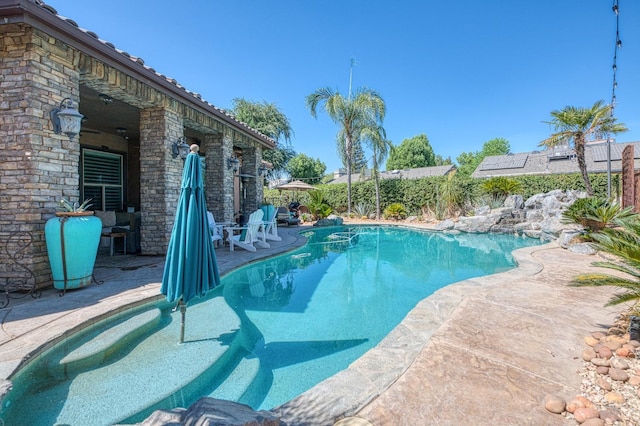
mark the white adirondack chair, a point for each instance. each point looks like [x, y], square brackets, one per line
[248, 236]
[270, 229]
[216, 230]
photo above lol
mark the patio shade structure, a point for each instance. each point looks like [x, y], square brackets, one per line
[191, 268]
[296, 185]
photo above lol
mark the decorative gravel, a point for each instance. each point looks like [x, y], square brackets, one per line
[610, 389]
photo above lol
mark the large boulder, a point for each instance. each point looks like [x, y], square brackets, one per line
[540, 216]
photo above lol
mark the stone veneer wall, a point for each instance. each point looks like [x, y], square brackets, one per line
[38, 168]
[250, 166]
[160, 177]
[218, 178]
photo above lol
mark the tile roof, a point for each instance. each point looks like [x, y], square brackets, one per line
[137, 61]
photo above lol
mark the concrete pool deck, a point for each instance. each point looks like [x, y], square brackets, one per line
[482, 351]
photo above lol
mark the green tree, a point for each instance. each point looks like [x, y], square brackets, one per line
[441, 161]
[575, 126]
[364, 109]
[358, 158]
[468, 162]
[307, 169]
[412, 153]
[270, 121]
[380, 146]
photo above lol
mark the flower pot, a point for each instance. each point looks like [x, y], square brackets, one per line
[72, 244]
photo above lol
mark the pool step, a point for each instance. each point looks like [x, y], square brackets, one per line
[97, 349]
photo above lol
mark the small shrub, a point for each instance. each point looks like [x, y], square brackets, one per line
[595, 213]
[362, 209]
[318, 207]
[395, 211]
[501, 186]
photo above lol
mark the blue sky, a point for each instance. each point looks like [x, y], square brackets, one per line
[461, 72]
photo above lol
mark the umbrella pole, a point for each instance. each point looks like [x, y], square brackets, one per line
[183, 311]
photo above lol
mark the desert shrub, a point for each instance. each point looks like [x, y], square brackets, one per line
[501, 186]
[395, 211]
[594, 213]
[317, 205]
[362, 209]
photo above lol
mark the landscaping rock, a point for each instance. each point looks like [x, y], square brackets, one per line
[445, 225]
[583, 414]
[554, 404]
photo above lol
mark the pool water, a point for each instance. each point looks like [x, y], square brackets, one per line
[273, 330]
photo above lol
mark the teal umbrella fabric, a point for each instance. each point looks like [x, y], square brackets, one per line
[190, 269]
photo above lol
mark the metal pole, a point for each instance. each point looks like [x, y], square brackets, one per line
[609, 168]
[183, 311]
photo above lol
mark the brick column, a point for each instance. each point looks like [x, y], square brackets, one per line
[218, 177]
[38, 167]
[160, 177]
[251, 161]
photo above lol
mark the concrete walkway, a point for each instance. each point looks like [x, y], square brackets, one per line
[484, 351]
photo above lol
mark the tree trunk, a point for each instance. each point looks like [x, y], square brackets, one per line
[377, 185]
[582, 165]
[348, 157]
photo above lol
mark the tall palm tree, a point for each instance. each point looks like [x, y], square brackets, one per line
[577, 125]
[352, 114]
[376, 139]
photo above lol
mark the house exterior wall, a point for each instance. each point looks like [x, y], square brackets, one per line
[43, 60]
[38, 167]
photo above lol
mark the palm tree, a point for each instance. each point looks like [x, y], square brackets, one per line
[375, 137]
[623, 242]
[352, 114]
[577, 125]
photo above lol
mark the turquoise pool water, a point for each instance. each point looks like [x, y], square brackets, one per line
[273, 330]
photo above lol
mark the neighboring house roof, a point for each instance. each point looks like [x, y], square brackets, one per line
[555, 161]
[417, 173]
[35, 12]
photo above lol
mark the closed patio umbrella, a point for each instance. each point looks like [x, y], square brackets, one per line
[190, 269]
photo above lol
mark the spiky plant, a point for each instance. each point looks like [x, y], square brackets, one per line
[624, 243]
[75, 208]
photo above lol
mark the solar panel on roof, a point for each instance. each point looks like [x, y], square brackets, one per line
[500, 162]
[600, 152]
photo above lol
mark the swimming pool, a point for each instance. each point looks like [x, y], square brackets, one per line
[272, 331]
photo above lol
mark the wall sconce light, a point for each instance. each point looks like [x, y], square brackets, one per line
[180, 148]
[66, 119]
[262, 170]
[105, 98]
[233, 163]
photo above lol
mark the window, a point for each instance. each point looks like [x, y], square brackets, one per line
[102, 179]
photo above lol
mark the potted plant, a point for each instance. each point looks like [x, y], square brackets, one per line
[72, 238]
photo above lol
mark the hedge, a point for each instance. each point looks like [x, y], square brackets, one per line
[416, 194]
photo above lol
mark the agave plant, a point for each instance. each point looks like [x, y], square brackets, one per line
[75, 207]
[624, 243]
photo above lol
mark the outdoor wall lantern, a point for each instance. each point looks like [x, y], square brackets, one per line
[262, 170]
[66, 119]
[180, 148]
[233, 163]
